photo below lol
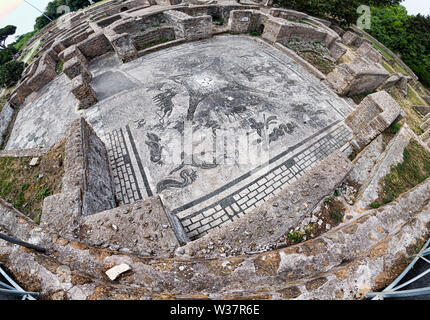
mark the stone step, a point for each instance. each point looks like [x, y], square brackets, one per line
[392, 155]
[424, 111]
[425, 137]
[426, 124]
[426, 118]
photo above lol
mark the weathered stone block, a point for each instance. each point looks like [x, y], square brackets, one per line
[253, 233]
[367, 50]
[75, 67]
[337, 50]
[124, 47]
[423, 110]
[87, 167]
[143, 228]
[188, 27]
[358, 76]
[6, 115]
[96, 45]
[372, 116]
[82, 90]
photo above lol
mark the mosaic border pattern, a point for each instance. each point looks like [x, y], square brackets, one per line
[253, 195]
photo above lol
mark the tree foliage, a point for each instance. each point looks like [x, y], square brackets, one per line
[5, 32]
[10, 73]
[407, 36]
[344, 12]
[53, 10]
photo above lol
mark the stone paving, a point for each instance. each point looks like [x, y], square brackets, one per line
[217, 89]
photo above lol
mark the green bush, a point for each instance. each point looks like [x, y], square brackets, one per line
[296, 236]
[10, 73]
[5, 56]
[344, 12]
[375, 205]
[395, 127]
[22, 40]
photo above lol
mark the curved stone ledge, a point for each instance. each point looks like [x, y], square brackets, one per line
[344, 263]
[19, 153]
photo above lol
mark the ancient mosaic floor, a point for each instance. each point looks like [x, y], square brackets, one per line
[237, 96]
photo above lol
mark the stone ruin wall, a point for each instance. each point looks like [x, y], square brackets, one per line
[87, 185]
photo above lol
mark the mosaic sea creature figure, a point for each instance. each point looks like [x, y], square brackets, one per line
[164, 102]
[155, 148]
[188, 176]
[201, 165]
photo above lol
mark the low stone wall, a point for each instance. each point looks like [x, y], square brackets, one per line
[87, 183]
[19, 153]
[154, 35]
[392, 54]
[83, 91]
[44, 74]
[356, 77]
[96, 45]
[371, 117]
[188, 27]
[398, 80]
[367, 50]
[136, 25]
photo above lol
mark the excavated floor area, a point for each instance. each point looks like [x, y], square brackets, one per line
[216, 127]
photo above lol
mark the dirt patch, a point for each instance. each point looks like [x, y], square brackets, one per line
[25, 186]
[318, 61]
[331, 213]
[315, 53]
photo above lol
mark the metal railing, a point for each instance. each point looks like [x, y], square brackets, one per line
[11, 288]
[394, 290]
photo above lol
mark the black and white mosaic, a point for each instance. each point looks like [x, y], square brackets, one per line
[126, 185]
[254, 194]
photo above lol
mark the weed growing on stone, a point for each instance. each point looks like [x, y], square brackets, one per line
[413, 170]
[395, 127]
[59, 67]
[375, 205]
[25, 186]
[336, 216]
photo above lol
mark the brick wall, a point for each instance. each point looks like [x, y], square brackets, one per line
[162, 33]
[96, 45]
